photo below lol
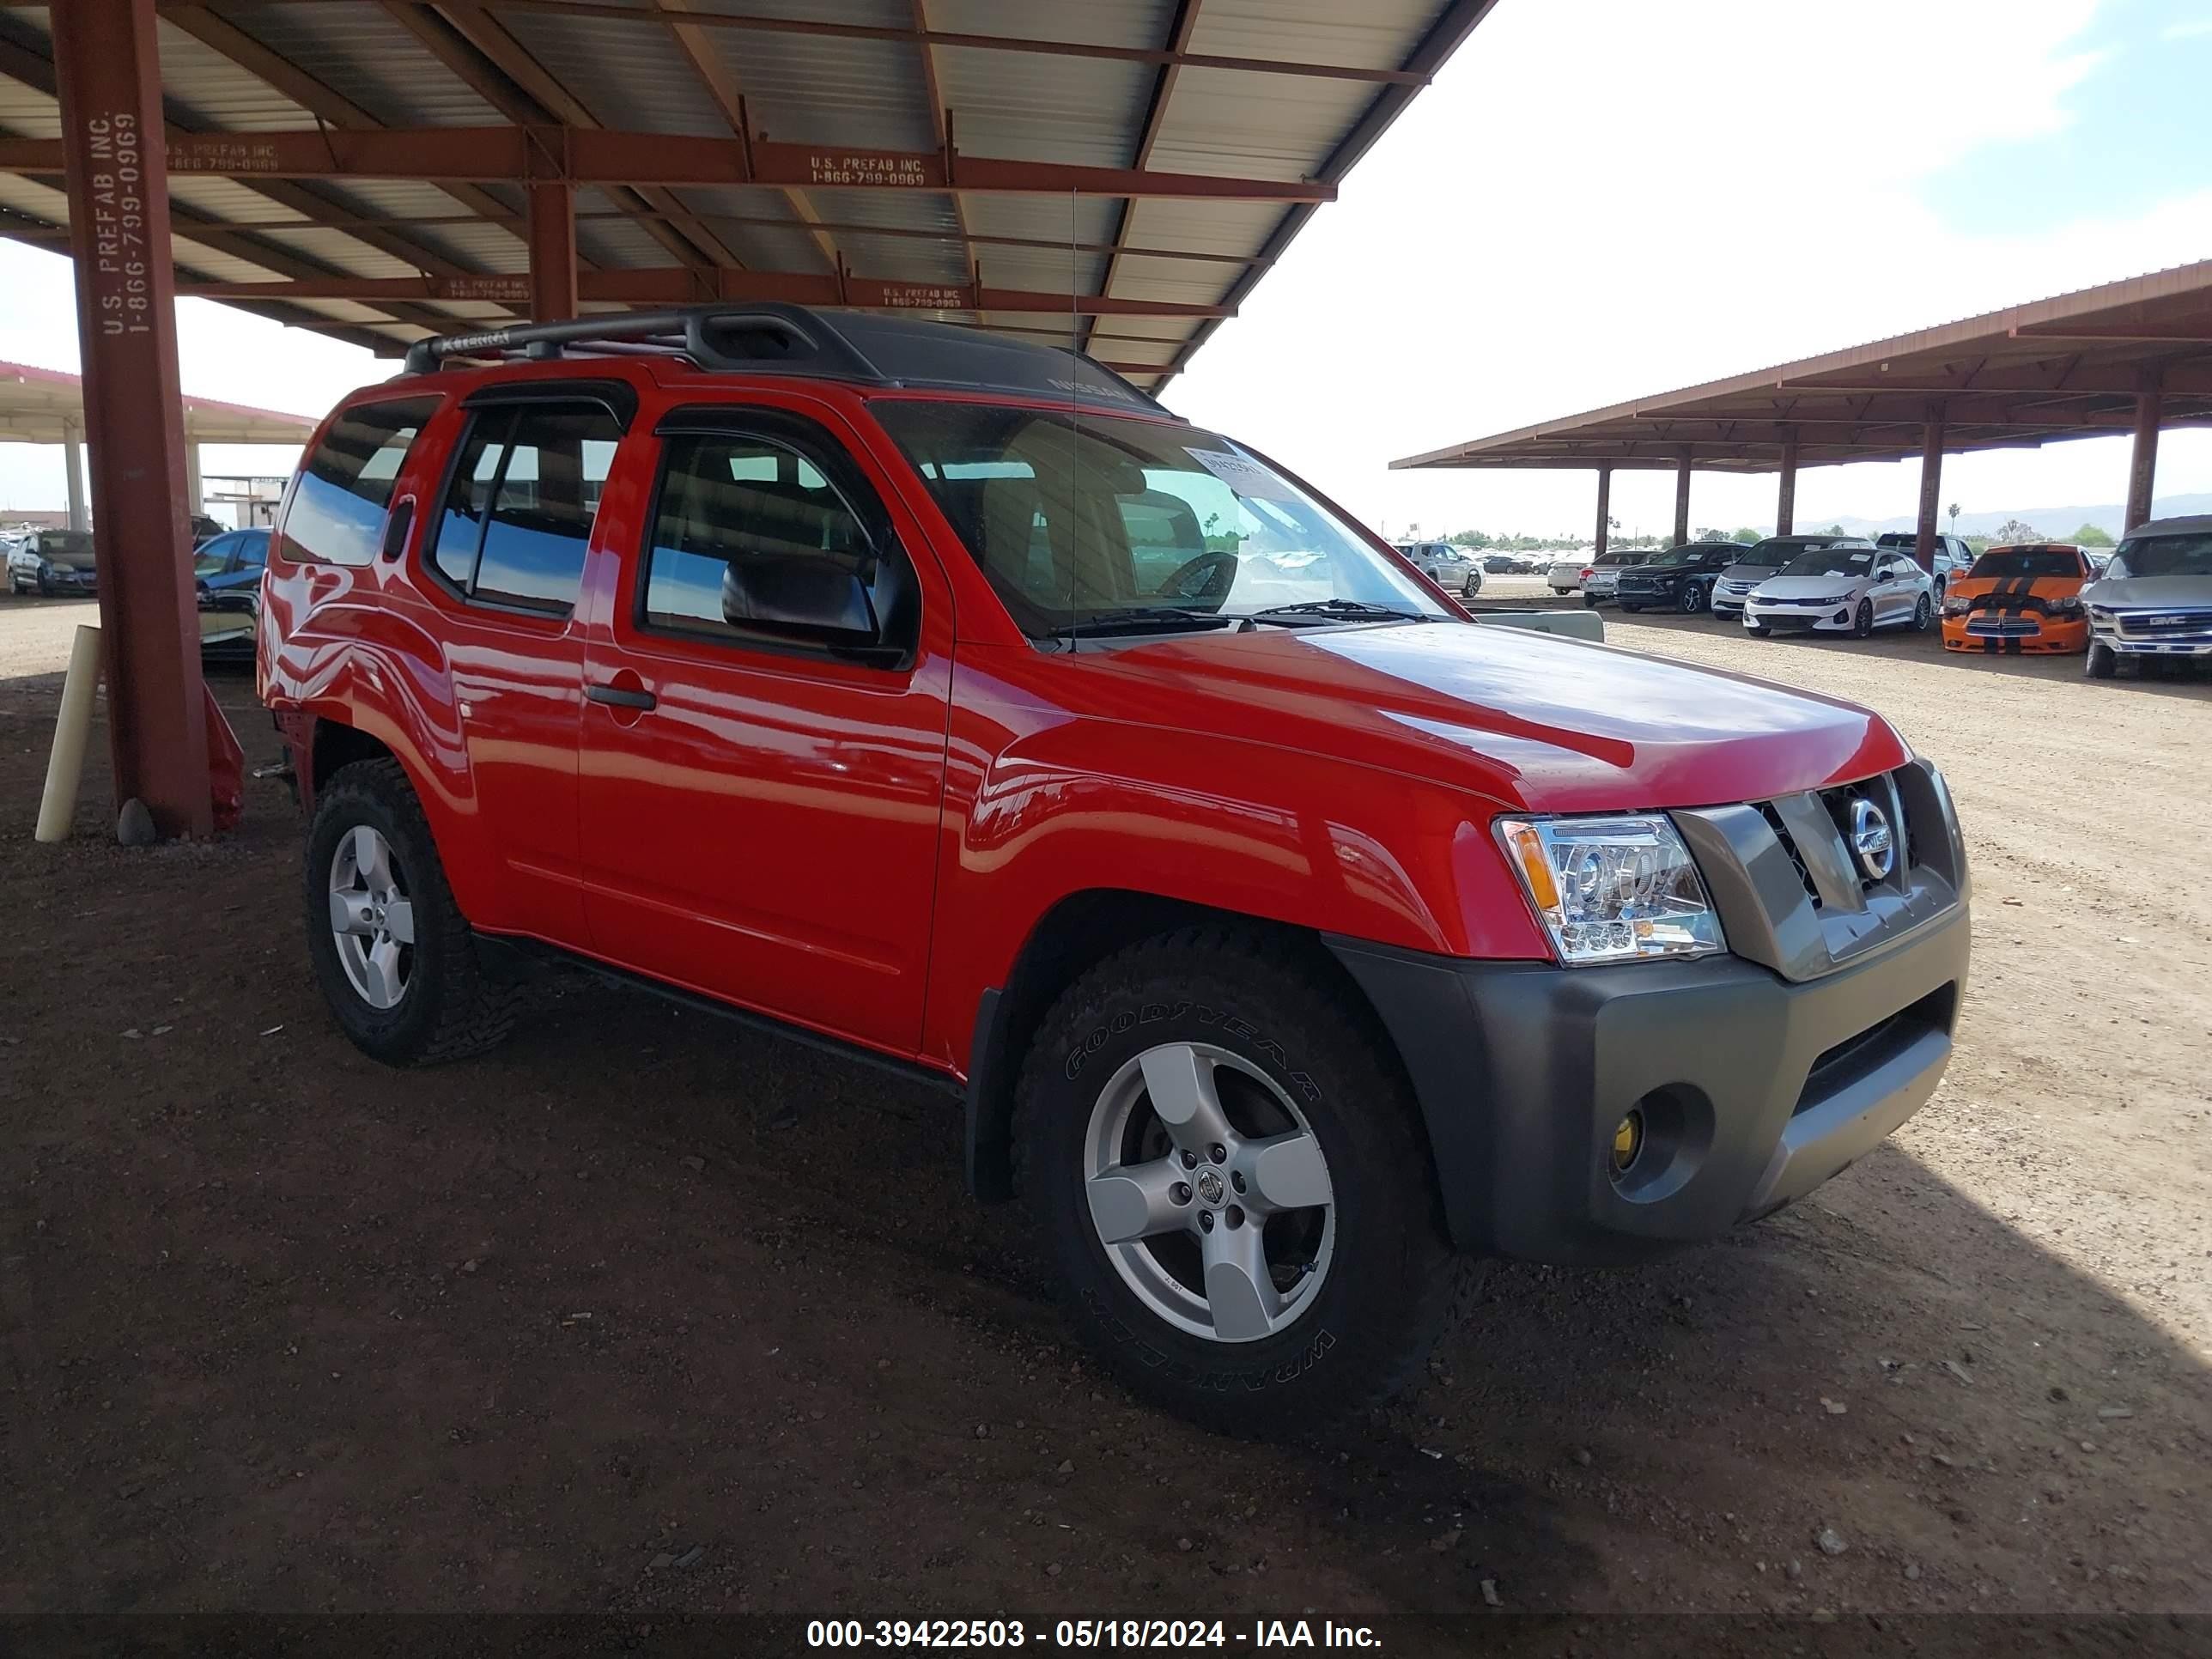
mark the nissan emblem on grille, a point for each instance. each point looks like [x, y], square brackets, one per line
[1872, 844]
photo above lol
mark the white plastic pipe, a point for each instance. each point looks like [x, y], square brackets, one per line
[65, 766]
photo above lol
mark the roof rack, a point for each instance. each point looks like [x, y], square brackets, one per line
[788, 339]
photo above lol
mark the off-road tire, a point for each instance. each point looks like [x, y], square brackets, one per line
[451, 1009]
[1391, 1281]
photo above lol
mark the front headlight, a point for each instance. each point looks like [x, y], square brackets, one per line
[2066, 606]
[1612, 889]
[60, 568]
[1954, 607]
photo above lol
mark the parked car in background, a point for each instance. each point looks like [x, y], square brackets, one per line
[54, 562]
[1602, 575]
[1566, 575]
[1449, 566]
[1844, 590]
[1269, 928]
[2025, 597]
[1680, 578]
[2154, 598]
[206, 529]
[1763, 561]
[1951, 556]
[227, 574]
[1498, 564]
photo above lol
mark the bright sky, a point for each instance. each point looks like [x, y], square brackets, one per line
[1597, 200]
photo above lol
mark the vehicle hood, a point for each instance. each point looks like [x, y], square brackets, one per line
[1748, 573]
[2156, 592]
[1808, 587]
[1531, 719]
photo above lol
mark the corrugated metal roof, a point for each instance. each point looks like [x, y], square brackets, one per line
[1065, 83]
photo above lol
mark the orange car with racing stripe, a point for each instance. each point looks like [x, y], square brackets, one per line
[2025, 598]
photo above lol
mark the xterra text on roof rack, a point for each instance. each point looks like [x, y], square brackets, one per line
[948, 701]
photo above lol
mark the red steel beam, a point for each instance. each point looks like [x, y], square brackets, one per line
[670, 285]
[921, 36]
[588, 156]
[1682, 498]
[1785, 503]
[1604, 509]
[108, 64]
[552, 279]
[1931, 488]
[2142, 463]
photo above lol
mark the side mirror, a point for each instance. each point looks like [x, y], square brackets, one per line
[805, 596]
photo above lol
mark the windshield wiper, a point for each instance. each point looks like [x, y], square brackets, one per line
[1338, 609]
[1139, 619]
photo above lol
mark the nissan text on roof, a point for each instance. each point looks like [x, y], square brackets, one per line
[1285, 937]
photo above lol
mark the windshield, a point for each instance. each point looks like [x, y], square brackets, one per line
[2029, 561]
[1831, 562]
[2163, 555]
[74, 545]
[1075, 519]
[1688, 553]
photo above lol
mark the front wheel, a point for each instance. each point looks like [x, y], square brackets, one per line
[1757, 630]
[1233, 1186]
[1863, 624]
[1923, 614]
[2102, 662]
[394, 956]
[1692, 599]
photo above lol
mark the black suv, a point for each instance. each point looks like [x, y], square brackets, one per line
[1682, 577]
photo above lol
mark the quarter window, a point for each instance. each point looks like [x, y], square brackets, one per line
[337, 507]
[517, 514]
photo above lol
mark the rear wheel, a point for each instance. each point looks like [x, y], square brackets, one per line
[1229, 1174]
[393, 953]
[1590, 601]
[1862, 624]
[2101, 660]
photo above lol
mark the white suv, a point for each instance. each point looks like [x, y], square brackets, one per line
[1451, 567]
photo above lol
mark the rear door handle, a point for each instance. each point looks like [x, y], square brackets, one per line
[621, 696]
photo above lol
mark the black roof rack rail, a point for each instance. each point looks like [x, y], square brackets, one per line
[774, 338]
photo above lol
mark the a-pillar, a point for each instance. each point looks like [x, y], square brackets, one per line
[72, 465]
[1604, 507]
[113, 151]
[1785, 503]
[1931, 488]
[2142, 468]
[552, 252]
[1682, 500]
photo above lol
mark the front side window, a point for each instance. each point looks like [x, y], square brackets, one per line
[517, 514]
[1074, 520]
[338, 502]
[742, 517]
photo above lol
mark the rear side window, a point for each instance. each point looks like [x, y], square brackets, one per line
[336, 514]
[517, 514]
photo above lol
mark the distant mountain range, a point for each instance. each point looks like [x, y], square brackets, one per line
[2046, 521]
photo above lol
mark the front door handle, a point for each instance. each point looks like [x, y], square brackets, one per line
[621, 696]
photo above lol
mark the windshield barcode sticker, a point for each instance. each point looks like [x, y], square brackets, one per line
[1242, 474]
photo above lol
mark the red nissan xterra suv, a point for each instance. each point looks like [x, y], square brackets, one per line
[1288, 934]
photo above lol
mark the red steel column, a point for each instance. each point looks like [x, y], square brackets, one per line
[1604, 507]
[1785, 506]
[2142, 469]
[1931, 488]
[118, 194]
[1682, 500]
[552, 252]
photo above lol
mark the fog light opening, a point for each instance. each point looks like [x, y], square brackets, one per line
[1628, 1142]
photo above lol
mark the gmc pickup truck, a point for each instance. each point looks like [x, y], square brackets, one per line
[1283, 937]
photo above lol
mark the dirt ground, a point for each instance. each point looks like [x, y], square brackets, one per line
[650, 1316]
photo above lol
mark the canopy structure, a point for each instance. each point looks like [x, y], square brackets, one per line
[380, 169]
[2127, 357]
[1116, 176]
[46, 406]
